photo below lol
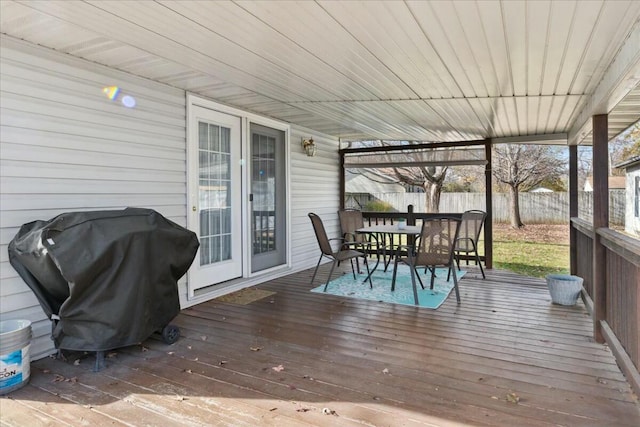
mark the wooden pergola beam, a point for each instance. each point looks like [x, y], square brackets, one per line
[404, 147]
[487, 143]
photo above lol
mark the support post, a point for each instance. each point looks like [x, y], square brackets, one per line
[600, 220]
[573, 207]
[488, 226]
[411, 218]
[342, 179]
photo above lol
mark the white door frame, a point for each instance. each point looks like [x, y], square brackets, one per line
[203, 275]
[246, 119]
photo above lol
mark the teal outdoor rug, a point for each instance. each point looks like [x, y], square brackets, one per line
[428, 298]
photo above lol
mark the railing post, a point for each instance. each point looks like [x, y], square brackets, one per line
[573, 207]
[600, 219]
[488, 225]
[342, 181]
[411, 219]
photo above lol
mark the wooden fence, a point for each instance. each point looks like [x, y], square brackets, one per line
[535, 208]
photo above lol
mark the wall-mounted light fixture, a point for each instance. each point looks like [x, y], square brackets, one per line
[309, 146]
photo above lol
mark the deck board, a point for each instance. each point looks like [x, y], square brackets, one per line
[370, 362]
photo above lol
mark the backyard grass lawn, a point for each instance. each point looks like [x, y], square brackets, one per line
[536, 250]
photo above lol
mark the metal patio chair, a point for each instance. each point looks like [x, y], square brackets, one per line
[467, 241]
[342, 254]
[434, 247]
[350, 221]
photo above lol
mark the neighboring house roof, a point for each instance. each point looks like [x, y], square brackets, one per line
[629, 163]
[367, 182]
[615, 183]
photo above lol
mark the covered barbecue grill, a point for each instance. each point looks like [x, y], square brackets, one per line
[106, 279]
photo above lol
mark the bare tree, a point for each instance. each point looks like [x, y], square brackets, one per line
[428, 175]
[522, 167]
[585, 164]
[623, 147]
[429, 178]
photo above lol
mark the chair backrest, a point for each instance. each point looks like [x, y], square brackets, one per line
[435, 244]
[321, 234]
[350, 221]
[470, 228]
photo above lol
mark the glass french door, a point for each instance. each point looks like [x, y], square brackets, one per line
[268, 197]
[215, 197]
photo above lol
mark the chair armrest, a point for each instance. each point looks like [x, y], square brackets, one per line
[352, 235]
[463, 239]
[408, 248]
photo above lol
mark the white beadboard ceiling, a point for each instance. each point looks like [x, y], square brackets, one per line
[418, 70]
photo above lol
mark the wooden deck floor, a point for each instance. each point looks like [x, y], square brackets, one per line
[285, 359]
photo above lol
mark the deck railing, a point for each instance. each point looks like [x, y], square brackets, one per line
[621, 306]
[584, 254]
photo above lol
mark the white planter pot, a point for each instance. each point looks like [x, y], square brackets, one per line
[564, 288]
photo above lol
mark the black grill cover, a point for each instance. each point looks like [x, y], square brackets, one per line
[110, 276]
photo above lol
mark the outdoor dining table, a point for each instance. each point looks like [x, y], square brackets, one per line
[379, 233]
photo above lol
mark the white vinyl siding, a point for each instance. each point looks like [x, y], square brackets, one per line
[315, 187]
[65, 146]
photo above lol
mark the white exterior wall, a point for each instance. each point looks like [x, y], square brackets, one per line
[631, 221]
[64, 146]
[314, 188]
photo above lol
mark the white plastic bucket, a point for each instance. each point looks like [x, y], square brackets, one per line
[564, 288]
[15, 340]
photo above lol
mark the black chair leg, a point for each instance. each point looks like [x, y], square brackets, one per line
[480, 265]
[333, 265]
[413, 283]
[455, 284]
[316, 270]
[366, 264]
[393, 279]
[419, 279]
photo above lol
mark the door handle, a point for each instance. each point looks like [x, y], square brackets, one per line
[193, 208]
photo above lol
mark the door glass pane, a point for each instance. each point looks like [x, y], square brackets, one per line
[263, 187]
[214, 193]
[203, 136]
[225, 136]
